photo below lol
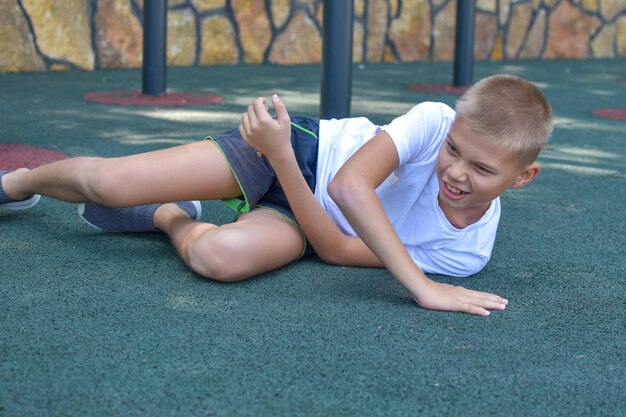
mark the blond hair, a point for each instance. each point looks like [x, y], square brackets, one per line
[511, 111]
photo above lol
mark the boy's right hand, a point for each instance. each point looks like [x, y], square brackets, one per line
[436, 296]
[269, 136]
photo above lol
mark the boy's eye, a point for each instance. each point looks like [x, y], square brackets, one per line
[451, 147]
[482, 169]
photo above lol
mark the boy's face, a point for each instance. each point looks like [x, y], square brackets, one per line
[472, 171]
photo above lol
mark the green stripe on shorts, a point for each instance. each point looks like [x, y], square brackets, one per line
[237, 204]
[304, 130]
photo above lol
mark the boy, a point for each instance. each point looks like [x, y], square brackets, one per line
[416, 196]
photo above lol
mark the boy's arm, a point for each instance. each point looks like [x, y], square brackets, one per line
[271, 137]
[353, 189]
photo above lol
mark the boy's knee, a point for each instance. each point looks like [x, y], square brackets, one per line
[101, 183]
[217, 256]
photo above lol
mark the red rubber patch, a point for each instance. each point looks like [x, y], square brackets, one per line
[616, 113]
[136, 98]
[14, 156]
[436, 88]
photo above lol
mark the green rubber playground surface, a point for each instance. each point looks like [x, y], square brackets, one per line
[96, 324]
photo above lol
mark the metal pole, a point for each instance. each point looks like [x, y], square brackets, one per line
[464, 43]
[154, 77]
[336, 88]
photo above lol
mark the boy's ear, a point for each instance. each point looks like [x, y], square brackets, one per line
[528, 174]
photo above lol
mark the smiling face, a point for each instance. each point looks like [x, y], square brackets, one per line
[472, 171]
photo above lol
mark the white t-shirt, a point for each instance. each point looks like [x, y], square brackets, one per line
[409, 194]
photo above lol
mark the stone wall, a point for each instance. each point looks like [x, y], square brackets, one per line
[37, 35]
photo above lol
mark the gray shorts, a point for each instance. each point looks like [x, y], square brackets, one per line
[256, 177]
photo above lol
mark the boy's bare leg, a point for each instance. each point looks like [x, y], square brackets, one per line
[259, 241]
[197, 171]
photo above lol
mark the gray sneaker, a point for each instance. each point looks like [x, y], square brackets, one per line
[8, 203]
[130, 219]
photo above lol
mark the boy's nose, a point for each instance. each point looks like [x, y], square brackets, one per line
[457, 172]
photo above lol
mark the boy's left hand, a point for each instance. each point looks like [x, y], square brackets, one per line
[270, 137]
[438, 296]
